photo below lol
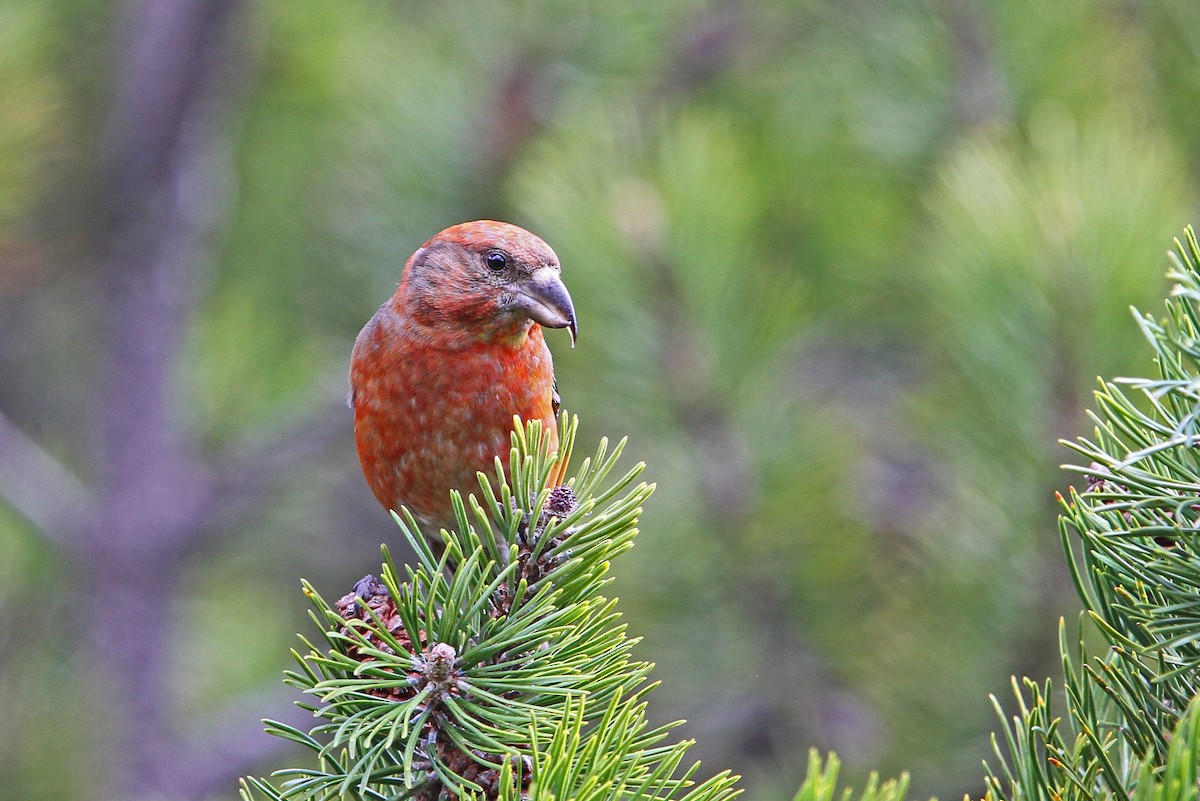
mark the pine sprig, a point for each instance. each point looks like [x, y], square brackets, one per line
[821, 783]
[1132, 542]
[492, 667]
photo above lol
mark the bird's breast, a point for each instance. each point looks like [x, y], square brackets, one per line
[428, 419]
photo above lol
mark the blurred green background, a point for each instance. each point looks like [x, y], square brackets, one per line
[845, 272]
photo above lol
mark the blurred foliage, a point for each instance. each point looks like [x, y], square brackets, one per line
[844, 272]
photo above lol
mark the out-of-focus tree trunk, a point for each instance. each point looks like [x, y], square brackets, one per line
[157, 198]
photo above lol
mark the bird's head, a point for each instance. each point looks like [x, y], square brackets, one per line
[488, 278]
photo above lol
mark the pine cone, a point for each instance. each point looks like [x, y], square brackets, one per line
[379, 601]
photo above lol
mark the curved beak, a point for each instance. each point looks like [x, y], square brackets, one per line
[545, 299]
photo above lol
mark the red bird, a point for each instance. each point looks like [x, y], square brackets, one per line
[438, 373]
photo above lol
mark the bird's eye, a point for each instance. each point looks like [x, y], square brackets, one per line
[496, 261]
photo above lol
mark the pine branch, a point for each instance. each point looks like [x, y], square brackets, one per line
[1130, 726]
[821, 783]
[495, 668]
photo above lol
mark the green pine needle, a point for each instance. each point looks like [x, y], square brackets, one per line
[1130, 727]
[496, 668]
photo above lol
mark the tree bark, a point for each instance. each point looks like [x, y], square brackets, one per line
[156, 201]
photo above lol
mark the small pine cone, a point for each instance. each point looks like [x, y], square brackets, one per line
[560, 504]
[439, 663]
[369, 586]
[370, 589]
[381, 606]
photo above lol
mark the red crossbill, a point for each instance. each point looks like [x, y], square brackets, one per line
[438, 373]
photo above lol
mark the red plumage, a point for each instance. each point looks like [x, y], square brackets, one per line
[438, 373]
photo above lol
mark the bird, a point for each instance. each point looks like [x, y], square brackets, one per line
[439, 371]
